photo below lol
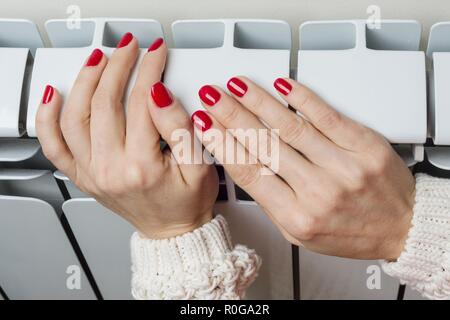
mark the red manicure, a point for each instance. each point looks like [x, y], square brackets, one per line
[161, 96]
[201, 120]
[126, 39]
[237, 87]
[95, 58]
[209, 95]
[156, 44]
[282, 86]
[48, 94]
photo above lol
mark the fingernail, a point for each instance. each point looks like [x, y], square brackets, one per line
[160, 95]
[95, 58]
[209, 95]
[156, 44]
[48, 94]
[201, 120]
[126, 39]
[282, 86]
[237, 87]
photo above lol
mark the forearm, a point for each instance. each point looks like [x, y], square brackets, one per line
[424, 264]
[202, 264]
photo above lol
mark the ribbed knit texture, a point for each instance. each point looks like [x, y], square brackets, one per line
[424, 264]
[202, 264]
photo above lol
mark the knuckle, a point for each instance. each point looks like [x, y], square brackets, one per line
[230, 115]
[101, 182]
[247, 175]
[136, 178]
[303, 98]
[106, 183]
[329, 119]
[381, 162]
[293, 130]
[181, 122]
[71, 124]
[85, 76]
[307, 228]
[138, 97]
[101, 99]
[360, 179]
[121, 60]
[258, 102]
[333, 200]
[72, 120]
[370, 140]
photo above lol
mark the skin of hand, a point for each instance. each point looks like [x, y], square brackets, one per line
[118, 159]
[340, 188]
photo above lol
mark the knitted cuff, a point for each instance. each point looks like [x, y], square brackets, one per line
[424, 264]
[198, 265]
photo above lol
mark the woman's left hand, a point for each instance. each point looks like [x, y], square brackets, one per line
[117, 159]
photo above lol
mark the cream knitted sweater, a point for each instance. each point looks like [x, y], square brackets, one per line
[204, 264]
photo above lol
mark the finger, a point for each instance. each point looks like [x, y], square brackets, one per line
[255, 136]
[49, 133]
[173, 123]
[335, 126]
[142, 138]
[108, 114]
[293, 129]
[75, 117]
[251, 175]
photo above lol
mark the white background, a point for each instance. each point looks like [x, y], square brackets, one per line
[294, 11]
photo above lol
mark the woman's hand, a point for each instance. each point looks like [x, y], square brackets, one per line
[340, 188]
[118, 159]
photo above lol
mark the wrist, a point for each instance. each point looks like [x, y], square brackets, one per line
[176, 228]
[399, 234]
[397, 245]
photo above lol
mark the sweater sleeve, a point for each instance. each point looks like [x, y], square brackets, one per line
[424, 264]
[202, 264]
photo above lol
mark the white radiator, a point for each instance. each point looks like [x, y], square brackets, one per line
[48, 228]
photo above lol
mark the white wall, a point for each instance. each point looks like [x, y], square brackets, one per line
[293, 11]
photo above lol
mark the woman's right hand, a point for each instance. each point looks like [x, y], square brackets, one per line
[339, 189]
[118, 159]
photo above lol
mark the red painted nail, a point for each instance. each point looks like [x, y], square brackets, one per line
[156, 44]
[209, 95]
[160, 95]
[95, 58]
[201, 120]
[237, 87]
[48, 94]
[126, 39]
[282, 86]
